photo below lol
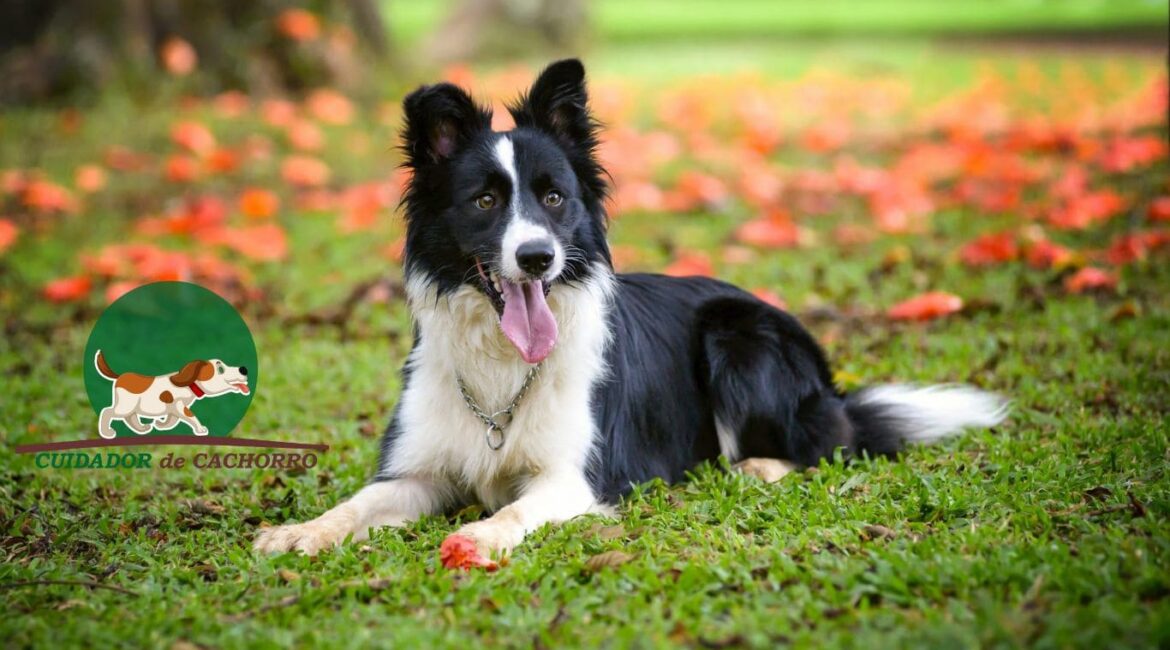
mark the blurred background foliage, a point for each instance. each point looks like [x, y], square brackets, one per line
[66, 50]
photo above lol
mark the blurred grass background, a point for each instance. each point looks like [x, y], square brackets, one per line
[697, 21]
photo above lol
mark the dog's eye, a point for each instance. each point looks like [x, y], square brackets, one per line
[219, 369]
[485, 201]
[553, 198]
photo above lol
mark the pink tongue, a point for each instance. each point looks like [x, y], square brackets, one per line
[527, 321]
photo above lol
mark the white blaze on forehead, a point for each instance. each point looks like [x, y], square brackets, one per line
[506, 156]
[521, 230]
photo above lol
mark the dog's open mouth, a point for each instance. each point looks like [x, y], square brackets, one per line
[242, 387]
[524, 314]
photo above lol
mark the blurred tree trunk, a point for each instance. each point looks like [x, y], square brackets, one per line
[59, 49]
[478, 29]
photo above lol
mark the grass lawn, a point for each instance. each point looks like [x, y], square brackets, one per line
[1050, 531]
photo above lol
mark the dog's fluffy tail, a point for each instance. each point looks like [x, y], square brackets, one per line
[99, 361]
[887, 417]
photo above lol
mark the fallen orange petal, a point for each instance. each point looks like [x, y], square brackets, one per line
[928, 306]
[193, 136]
[1160, 209]
[459, 552]
[90, 178]
[9, 231]
[259, 203]
[690, 263]
[178, 57]
[1090, 278]
[298, 24]
[67, 289]
[990, 249]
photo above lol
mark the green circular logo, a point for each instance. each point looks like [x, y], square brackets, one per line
[170, 358]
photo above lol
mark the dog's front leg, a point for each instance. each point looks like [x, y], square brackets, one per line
[552, 496]
[384, 503]
[188, 416]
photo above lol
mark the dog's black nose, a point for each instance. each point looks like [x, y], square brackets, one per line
[244, 370]
[534, 257]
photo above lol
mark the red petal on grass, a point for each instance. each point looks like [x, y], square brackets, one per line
[626, 256]
[181, 169]
[1044, 254]
[1090, 278]
[305, 136]
[278, 112]
[396, 251]
[67, 289]
[330, 106]
[1127, 153]
[122, 159]
[304, 171]
[1160, 209]
[231, 104]
[770, 297]
[259, 203]
[1126, 249]
[928, 306]
[9, 231]
[773, 230]
[193, 136]
[178, 57]
[265, 242]
[1083, 211]
[990, 249]
[298, 24]
[90, 178]
[1136, 246]
[701, 188]
[119, 289]
[459, 552]
[43, 196]
[223, 161]
[690, 263]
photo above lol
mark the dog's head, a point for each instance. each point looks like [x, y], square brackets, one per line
[214, 377]
[512, 214]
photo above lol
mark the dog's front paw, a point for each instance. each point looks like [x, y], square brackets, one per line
[493, 538]
[308, 538]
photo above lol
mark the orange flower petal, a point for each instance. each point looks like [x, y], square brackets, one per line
[9, 232]
[459, 552]
[259, 203]
[67, 289]
[1090, 278]
[928, 306]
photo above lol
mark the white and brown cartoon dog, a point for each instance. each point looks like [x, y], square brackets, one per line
[167, 399]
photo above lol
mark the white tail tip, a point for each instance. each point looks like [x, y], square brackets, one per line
[929, 413]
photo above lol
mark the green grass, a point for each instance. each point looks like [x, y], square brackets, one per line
[1050, 531]
[712, 20]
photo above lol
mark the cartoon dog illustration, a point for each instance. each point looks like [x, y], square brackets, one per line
[167, 399]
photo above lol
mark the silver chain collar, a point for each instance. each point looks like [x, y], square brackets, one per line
[494, 436]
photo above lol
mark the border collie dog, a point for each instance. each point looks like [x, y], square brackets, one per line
[543, 385]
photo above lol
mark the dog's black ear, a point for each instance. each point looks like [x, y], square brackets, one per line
[440, 120]
[558, 104]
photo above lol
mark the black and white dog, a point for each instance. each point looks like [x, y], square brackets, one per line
[636, 376]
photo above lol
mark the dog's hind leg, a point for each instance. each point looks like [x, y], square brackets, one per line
[105, 423]
[390, 502]
[135, 423]
[770, 387]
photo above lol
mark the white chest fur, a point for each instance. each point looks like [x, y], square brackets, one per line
[553, 426]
